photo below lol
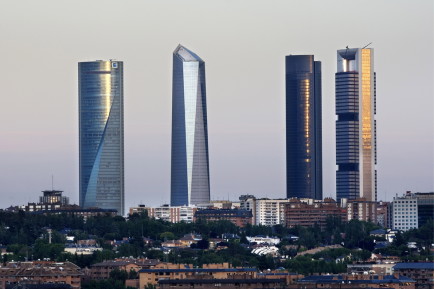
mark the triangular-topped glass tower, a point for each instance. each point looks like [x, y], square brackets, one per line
[190, 163]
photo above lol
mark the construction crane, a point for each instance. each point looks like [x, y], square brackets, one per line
[367, 45]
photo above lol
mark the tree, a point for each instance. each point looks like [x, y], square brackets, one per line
[5, 259]
[133, 274]
[155, 254]
[307, 238]
[202, 244]
[399, 239]
[362, 255]
[43, 250]
[120, 275]
[266, 262]
[243, 239]
[209, 257]
[167, 236]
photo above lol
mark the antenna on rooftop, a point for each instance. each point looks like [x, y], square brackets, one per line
[366, 45]
[52, 182]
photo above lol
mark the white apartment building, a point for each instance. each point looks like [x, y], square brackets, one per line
[270, 212]
[267, 212]
[173, 214]
[405, 212]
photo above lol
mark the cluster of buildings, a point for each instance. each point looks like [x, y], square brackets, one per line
[101, 128]
[53, 202]
[404, 213]
[46, 274]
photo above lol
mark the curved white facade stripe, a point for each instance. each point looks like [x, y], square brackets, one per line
[190, 162]
[101, 135]
[190, 72]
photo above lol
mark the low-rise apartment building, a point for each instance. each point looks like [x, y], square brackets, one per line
[168, 271]
[361, 209]
[371, 268]
[102, 270]
[204, 283]
[422, 273]
[301, 213]
[236, 216]
[350, 281]
[70, 210]
[40, 272]
[173, 214]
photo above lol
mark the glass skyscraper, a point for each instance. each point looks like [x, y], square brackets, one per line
[190, 164]
[303, 127]
[356, 153]
[101, 129]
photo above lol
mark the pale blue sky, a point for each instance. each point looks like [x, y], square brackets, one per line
[244, 44]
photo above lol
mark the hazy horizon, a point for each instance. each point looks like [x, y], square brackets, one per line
[243, 44]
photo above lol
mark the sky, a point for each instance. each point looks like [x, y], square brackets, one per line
[244, 44]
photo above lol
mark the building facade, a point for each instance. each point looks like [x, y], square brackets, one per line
[308, 214]
[190, 163]
[356, 153]
[383, 214]
[101, 130]
[238, 217]
[42, 273]
[405, 212]
[50, 200]
[350, 281]
[223, 204]
[205, 283]
[270, 212]
[173, 214]
[362, 210]
[248, 202]
[72, 210]
[379, 268]
[421, 272]
[425, 207]
[102, 270]
[303, 127]
[168, 271]
[53, 197]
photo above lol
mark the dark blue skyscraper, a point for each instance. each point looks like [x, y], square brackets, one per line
[190, 165]
[356, 152]
[303, 127]
[101, 125]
